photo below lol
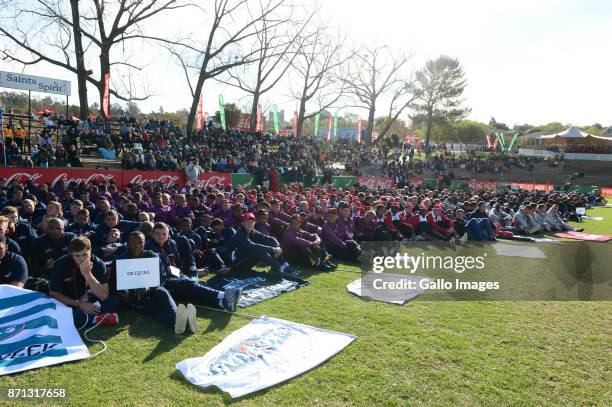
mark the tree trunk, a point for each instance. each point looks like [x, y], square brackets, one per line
[196, 99]
[254, 111]
[370, 127]
[301, 114]
[104, 69]
[80, 60]
[428, 132]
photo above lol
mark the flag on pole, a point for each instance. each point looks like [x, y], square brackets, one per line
[316, 127]
[258, 120]
[502, 142]
[275, 114]
[222, 112]
[488, 140]
[199, 115]
[329, 127]
[295, 123]
[335, 124]
[359, 124]
[514, 137]
[106, 96]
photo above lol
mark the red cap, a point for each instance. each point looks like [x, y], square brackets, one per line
[248, 216]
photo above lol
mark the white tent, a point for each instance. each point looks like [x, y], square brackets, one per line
[572, 133]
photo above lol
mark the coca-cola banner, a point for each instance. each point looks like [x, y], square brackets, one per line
[214, 180]
[168, 178]
[482, 185]
[375, 182]
[532, 187]
[52, 176]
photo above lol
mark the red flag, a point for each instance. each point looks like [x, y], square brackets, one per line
[258, 120]
[495, 144]
[295, 120]
[488, 140]
[329, 128]
[359, 131]
[199, 115]
[106, 96]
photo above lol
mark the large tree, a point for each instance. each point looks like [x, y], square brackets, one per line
[440, 85]
[277, 47]
[314, 77]
[228, 42]
[376, 71]
[37, 27]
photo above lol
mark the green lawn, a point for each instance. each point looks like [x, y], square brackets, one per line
[439, 353]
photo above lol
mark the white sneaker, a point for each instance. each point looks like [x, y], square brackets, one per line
[181, 319]
[192, 321]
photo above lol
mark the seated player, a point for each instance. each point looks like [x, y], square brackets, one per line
[253, 247]
[111, 247]
[12, 245]
[556, 222]
[82, 224]
[13, 267]
[524, 222]
[305, 248]
[206, 257]
[78, 280]
[155, 302]
[337, 240]
[184, 287]
[20, 230]
[49, 247]
[476, 228]
[441, 226]
[111, 220]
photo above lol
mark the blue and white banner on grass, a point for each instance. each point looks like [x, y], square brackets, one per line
[261, 354]
[35, 331]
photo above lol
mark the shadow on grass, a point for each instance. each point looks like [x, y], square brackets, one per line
[141, 326]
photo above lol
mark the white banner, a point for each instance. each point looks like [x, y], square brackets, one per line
[35, 331]
[261, 354]
[34, 83]
[138, 273]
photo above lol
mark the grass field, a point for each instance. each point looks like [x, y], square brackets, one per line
[439, 353]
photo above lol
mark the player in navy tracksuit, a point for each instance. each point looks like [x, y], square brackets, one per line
[19, 230]
[205, 256]
[13, 268]
[111, 220]
[78, 280]
[155, 302]
[253, 247]
[49, 247]
[182, 287]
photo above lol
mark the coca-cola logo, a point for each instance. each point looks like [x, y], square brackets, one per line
[212, 181]
[167, 180]
[95, 177]
[23, 177]
[374, 182]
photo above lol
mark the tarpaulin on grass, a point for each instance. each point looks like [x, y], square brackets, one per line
[35, 331]
[255, 286]
[515, 250]
[371, 286]
[584, 236]
[261, 354]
